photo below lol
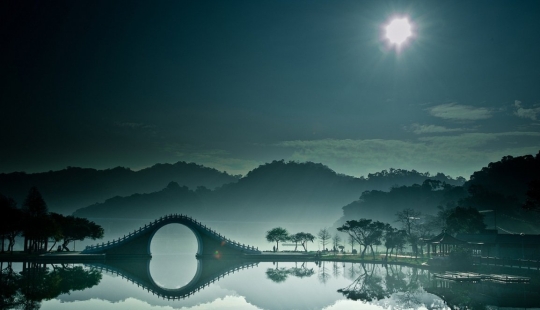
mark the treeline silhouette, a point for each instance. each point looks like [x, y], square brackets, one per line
[38, 226]
[501, 189]
[72, 188]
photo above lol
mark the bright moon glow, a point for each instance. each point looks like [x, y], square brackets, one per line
[398, 31]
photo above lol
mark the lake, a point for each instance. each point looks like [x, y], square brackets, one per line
[175, 279]
[248, 285]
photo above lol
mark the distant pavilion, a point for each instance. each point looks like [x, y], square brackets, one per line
[442, 244]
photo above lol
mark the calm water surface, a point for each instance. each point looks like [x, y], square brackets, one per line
[174, 279]
[266, 285]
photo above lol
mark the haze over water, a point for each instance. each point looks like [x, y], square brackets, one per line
[290, 285]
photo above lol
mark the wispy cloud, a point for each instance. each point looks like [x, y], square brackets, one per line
[525, 113]
[457, 155]
[454, 111]
[427, 129]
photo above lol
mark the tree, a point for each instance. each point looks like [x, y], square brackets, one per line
[75, 228]
[324, 236]
[336, 242]
[37, 225]
[409, 220]
[365, 232]
[305, 238]
[465, 220]
[533, 197]
[11, 222]
[351, 242]
[276, 235]
[393, 238]
[296, 238]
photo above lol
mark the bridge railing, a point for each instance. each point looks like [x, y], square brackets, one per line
[143, 229]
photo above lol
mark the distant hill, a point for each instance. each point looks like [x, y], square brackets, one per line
[172, 199]
[509, 176]
[72, 188]
[275, 192]
[383, 205]
[500, 189]
[302, 192]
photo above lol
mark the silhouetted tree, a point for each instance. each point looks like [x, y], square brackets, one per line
[305, 238]
[11, 222]
[336, 242]
[365, 232]
[37, 224]
[76, 228]
[393, 238]
[410, 222]
[276, 235]
[324, 236]
[465, 220]
[351, 241]
[295, 238]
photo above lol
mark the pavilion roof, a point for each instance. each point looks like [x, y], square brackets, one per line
[444, 238]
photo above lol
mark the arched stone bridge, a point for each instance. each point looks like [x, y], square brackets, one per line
[138, 272]
[210, 243]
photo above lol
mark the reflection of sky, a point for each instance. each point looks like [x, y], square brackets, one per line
[245, 289]
[228, 302]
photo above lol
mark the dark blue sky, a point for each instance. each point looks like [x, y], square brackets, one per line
[233, 84]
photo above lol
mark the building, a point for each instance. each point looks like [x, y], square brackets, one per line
[493, 244]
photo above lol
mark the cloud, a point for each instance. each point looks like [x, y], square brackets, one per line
[458, 155]
[422, 129]
[453, 111]
[525, 113]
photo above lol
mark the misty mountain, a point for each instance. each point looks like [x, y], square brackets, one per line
[383, 205]
[72, 188]
[277, 191]
[301, 192]
[172, 199]
[499, 189]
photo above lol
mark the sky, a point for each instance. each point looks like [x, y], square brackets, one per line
[236, 84]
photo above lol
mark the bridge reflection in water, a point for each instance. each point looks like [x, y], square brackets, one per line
[138, 272]
[130, 256]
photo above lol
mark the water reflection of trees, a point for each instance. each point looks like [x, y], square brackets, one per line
[37, 282]
[374, 282]
[279, 275]
[323, 273]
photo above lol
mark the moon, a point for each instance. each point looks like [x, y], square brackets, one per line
[398, 31]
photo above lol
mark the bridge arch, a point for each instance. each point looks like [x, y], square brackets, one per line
[210, 243]
[198, 237]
